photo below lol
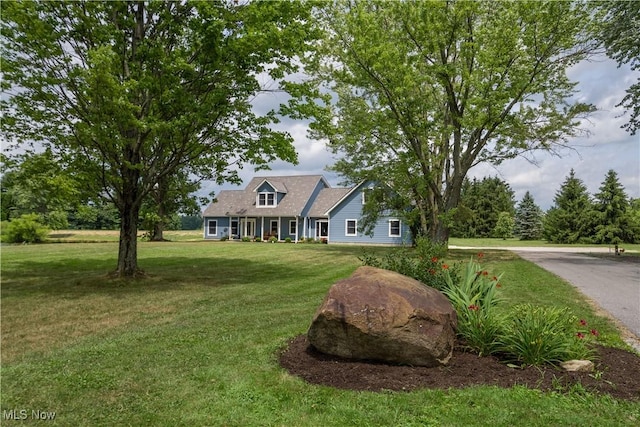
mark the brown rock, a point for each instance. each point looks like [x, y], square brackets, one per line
[381, 315]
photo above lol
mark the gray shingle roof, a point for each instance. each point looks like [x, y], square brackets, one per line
[298, 189]
[327, 198]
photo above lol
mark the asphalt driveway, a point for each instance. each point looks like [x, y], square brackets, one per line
[613, 285]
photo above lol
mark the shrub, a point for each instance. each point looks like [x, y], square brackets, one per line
[273, 239]
[25, 229]
[287, 240]
[246, 239]
[476, 287]
[480, 328]
[474, 296]
[422, 263]
[224, 238]
[536, 335]
[257, 239]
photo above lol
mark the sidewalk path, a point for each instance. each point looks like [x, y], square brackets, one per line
[613, 285]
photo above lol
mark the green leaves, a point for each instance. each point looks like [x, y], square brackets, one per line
[135, 92]
[537, 335]
[426, 90]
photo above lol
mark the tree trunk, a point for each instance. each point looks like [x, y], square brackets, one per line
[159, 196]
[129, 208]
[439, 231]
[128, 248]
[157, 235]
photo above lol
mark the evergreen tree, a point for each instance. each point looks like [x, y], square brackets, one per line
[571, 219]
[613, 219]
[528, 220]
[482, 201]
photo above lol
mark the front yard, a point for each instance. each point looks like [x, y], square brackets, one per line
[197, 342]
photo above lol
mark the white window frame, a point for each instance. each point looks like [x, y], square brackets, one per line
[213, 222]
[266, 203]
[293, 227]
[319, 224]
[364, 192]
[346, 227]
[399, 227]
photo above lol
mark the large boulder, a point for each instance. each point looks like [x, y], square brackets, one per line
[381, 315]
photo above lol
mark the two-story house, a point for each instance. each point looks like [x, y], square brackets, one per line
[298, 207]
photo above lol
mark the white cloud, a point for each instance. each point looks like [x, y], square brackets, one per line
[607, 147]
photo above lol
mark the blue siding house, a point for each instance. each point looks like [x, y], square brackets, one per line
[298, 208]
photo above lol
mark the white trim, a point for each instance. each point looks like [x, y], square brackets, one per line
[319, 228]
[399, 227]
[343, 198]
[244, 225]
[208, 228]
[346, 228]
[266, 199]
[295, 233]
[266, 180]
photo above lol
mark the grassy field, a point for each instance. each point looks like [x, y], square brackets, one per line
[196, 343]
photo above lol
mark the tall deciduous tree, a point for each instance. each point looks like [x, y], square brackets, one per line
[528, 219]
[425, 90]
[135, 91]
[571, 218]
[619, 32]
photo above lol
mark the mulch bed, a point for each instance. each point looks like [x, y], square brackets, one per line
[617, 372]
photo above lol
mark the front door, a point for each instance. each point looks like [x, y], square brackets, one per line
[322, 229]
[248, 227]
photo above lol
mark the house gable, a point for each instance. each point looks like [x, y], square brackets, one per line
[345, 219]
[297, 207]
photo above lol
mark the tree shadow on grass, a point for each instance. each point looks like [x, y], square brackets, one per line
[87, 276]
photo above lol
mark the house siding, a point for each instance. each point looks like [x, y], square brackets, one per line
[308, 201]
[351, 209]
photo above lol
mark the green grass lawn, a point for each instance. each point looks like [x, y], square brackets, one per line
[196, 343]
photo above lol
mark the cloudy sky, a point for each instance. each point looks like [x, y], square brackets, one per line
[607, 146]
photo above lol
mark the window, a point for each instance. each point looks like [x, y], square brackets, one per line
[293, 228]
[274, 227]
[394, 228]
[234, 228]
[266, 199]
[212, 227]
[366, 192]
[352, 227]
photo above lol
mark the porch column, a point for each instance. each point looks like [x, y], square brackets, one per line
[262, 226]
[279, 226]
[304, 228]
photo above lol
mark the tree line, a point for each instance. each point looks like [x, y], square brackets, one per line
[143, 99]
[488, 209]
[38, 184]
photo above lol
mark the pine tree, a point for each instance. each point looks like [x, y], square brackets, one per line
[528, 220]
[612, 212]
[571, 219]
[481, 203]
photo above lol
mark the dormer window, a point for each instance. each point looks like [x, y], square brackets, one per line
[366, 193]
[266, 200]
